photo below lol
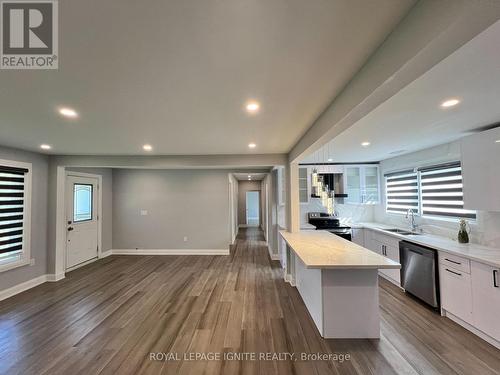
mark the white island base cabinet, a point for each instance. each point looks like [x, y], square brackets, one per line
[343, 303]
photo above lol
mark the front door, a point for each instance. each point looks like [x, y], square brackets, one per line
[81, 219]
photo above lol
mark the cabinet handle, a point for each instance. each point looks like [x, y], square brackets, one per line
[456, 273]
[452, 261]
[495, 281]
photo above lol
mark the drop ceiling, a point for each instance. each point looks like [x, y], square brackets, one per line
[177, 74]
[413, 119]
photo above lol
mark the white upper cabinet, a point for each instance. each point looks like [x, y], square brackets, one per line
[362, 184]
[480, 170]
[304, 185]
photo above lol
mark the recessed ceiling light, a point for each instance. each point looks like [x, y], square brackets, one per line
[252, 145]
[45, 147]
[450, 103]
[252, 107]
[68, 112]
[497, 141]
[365, 144]
[147, 148]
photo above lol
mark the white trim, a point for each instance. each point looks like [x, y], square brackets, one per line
[275, 256]
[60, 259]
[53, 277]
[471, 328]
[19, 288]
[106, 253]
[25, 256]
[170, 251]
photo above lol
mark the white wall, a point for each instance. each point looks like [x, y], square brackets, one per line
[40, 164]
[485, 231]
[191, 203]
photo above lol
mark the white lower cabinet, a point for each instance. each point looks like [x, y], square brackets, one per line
[456, 292]
[358, 236]
[387, 246]
[486, 299]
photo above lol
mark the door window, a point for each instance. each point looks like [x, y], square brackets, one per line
[82, 198]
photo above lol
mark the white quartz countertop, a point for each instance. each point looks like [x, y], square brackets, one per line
[321, 249]
[482, 254]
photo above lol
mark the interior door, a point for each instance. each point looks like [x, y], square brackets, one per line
[81, 215]
[253, 208]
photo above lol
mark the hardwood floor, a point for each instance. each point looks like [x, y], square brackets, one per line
[107, 317]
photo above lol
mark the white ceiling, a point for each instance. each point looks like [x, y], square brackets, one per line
[413, 119]
[176, 74]
[254, 176]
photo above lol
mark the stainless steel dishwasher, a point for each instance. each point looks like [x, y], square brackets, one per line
[419, 272]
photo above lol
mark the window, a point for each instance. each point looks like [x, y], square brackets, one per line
[434, 191]
[401, 192]
[82, 210]
[441, 191]
[15, 190]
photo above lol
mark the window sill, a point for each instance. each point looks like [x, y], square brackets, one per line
[6, 266]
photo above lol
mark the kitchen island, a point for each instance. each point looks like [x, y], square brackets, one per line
[338, 282]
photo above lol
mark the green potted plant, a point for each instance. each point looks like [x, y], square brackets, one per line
[463, 231]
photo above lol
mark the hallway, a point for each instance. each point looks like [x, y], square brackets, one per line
[107, 317]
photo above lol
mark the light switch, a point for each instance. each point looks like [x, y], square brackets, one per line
[144, 212]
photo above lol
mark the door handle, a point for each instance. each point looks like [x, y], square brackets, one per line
[70, 229]
[495, 280]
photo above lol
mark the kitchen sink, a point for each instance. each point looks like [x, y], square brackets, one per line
[401, 231]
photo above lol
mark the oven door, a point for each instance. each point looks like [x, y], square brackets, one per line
[344, 233]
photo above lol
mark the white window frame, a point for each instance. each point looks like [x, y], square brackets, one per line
[25, 257]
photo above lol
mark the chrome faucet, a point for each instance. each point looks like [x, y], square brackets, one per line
[410, 216]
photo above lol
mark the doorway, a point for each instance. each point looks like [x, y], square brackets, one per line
[82, 215]
[253, 208]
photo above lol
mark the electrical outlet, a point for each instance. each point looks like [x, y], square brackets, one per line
[144, 212]
[185, 239]
[32, 261]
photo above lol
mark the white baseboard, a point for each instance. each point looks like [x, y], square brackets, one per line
[170, 251]
[275, 256]
[19, 288]
[55, 277]
[106, 253]
[471, 328]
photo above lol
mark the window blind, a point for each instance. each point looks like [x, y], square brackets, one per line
[402, 191]
[442, 191]
[11, 210]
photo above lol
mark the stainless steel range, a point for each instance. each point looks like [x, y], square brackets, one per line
[323, 221]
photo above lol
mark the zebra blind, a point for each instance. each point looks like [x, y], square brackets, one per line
[12, 211]
[402, 191]
[442, 191]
